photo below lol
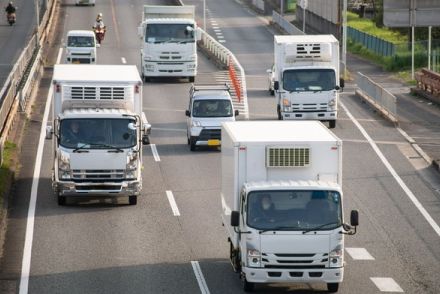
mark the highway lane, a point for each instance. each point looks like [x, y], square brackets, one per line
[392, 229]
[14, 38]
[91, 247]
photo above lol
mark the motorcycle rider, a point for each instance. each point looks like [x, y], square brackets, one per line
[99, 25]
[10, 9]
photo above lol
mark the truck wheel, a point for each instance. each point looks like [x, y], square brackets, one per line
[248, 286]
[192, 144]
[191, 79]
[332, 287]
[280, 117]
[332, 124]
[272, 92]
[132, 200]
[146, 79]
[61, 200]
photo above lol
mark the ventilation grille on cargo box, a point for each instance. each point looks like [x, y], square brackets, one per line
[287, 157]
[309, 51]
[91, 93]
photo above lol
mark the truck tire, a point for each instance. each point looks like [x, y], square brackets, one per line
[191, 79]
[61, 200]
[192, 144]
[248, 286]
[272, 92]
[146, 79]
[332, 124]
[132, 200]
[332, 287]
[280, 117]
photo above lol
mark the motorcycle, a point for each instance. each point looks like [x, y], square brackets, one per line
[99, 34]
[11, 18]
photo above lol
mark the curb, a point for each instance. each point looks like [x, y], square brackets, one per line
[379, 108]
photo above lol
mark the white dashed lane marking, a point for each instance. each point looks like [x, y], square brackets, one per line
[155, 153]
[173, 203]
[386, 285]
[359, 254]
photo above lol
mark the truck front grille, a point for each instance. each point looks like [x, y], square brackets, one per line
[295, 261]
[310, 107]
[98, 176]
[209, 134]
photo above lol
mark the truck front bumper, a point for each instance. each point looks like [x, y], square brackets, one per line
[125, 188]
[324, 116]
[274, 275]
[178, 69]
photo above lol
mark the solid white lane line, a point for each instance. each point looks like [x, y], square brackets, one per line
[200, 278]
[399, 180]
[155, 153]
[386, 285]
[124, 61]
[359, 253]
[27, 252]
[173, 203]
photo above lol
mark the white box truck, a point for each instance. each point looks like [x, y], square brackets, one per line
[99, 128]
[306, 77]
[169, 47]
[282, 205]
[81, 47]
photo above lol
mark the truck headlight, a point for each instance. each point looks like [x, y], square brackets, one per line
[64, 165]
[286, 102]
[336, 257]
[332, 103]
[196, 123]
[254, 258]
[132, 165]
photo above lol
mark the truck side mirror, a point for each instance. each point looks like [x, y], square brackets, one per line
[49, 132]
[276, 85]
[187, 113]
[237, 112]
[269, 70]
[145, 140]
[341, 83]
[235, 218]
[354, 218]
[147, 128]
[140, 31]
[198, 34]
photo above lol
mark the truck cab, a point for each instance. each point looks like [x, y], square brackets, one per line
[209, 106]
[81, 47]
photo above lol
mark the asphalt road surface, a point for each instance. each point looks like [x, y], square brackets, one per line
[111, 247]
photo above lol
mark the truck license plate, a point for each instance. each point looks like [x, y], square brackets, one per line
[214, 142]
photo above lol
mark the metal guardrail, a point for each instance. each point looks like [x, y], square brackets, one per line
[379, 97]
[224, 56]
[285, 24]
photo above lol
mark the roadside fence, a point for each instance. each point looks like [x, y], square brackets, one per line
[377, 96]
[285, 24]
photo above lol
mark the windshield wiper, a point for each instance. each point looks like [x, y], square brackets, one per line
[78, 149]
[279, 228]
[116, 149]
[320, 227]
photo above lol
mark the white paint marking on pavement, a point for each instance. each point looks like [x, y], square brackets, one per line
[173, 203]
[217, 30]
[27, 251]
[220, 37]
[216, 27]
[399, 180]
[200, 278]
[386, 285]
[415, 146]
[123, 60]
[222, 41]
[155, 153]
[359, 253]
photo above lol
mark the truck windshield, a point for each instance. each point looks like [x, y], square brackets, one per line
[160, 33]
[295, 210]
[80, 41]
[212, 108]
[309, 80]
[97, 133]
